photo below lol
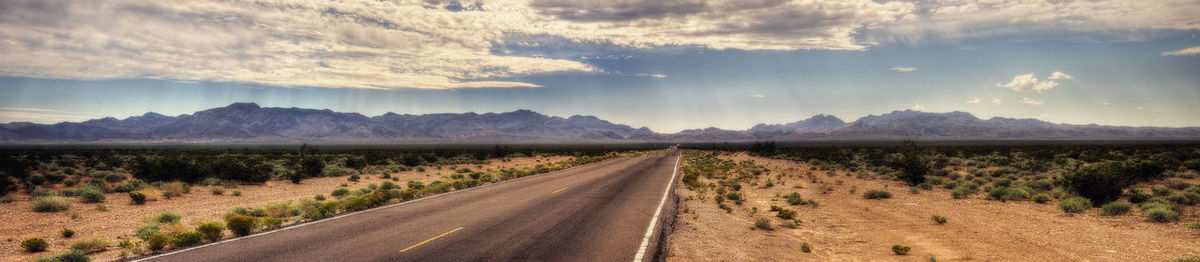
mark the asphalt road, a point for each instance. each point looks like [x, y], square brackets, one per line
[596, 212]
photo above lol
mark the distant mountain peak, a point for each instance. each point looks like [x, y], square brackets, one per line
[243, 106]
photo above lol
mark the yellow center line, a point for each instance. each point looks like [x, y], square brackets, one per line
[559, 190]
[430, 239]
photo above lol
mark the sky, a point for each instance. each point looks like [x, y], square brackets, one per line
[664, 64]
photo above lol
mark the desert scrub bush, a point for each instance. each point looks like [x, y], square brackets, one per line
[186, 239]
[51, 204]
[211, 231]
[340, 192]
[270, 222]
[146, 231]
[91, 245]
[938, 219]
[1160, 190]
[1040, 198]
[167, 218]
[67, 232]
[320, 210]
[900, 249]
[389, 186]
[963, 190]
[130, 186]
[1160, 213]
[763, 223]
[725, 207]
[1194, 225]
[158, 241]
[1115, 208]
[786, 213]
[877, 194]
[34, 244]
[73, 255]
[794, 198]
[137, 198]
[241, 225]
[218, 191]
[237, 193]
[804, 247]
[1074, 205]
[353, 178]
[44, 192]
[90, 194]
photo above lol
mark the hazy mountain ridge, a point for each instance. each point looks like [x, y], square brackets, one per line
[247, 122]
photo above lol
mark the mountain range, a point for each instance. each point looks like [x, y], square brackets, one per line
[248, 122]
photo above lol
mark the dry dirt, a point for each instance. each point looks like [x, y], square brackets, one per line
[120, 222]
[847, 227]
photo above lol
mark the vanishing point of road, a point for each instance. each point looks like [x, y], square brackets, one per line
[611, 210]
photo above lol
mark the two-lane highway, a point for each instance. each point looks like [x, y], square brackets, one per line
[596, 212]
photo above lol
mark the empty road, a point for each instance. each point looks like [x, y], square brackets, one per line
[596, 212]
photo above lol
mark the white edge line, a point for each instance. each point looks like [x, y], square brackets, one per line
[654, 221]
[351, 214]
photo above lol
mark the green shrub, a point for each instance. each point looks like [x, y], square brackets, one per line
[794, 198]
[319, 197]
[1074, 205]
[137, 198]
[51, 204]
[211, 230]
[218, 191]
[187, 239]
[168, 218]
[725, 207]
[1194, 225]
[763, 223]
[786, 213]
[70, 181]
[388, 186]
[237, 193]
[962, 190]
[91, 245]
[1160, 190]
[805, 248]
[900, 249]
[877, 194]
[130, 186]
[158, 241]
[415, 185]
[939, 219]
[67, 232]
[1040, 198]
[90, 194]
[340, 192]
[1161, 215]
[1102, 182]
[35, 244]
[241, 225]
[353, 178]
[44, 192]
[270, 222]
[73, 255]
[146, 231]
[1137, 196]
[1115, 208]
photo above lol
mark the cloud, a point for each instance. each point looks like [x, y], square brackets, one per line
[1195, 50]
[996, 101]
[757, 96]
[904, 69]
[917, 107]
[960, 20]
[1030, 83]
[39, 115]
[1028, 101]
[652, 75]
[973, 101]
[1060, 76]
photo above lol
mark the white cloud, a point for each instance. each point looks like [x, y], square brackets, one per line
[973, 101]
[1106, 104]
[39, 115]
[996, 101]
[652, 75]
[959, 20]
[1195, 50]
[1141, 108]
[917, 107]
[1060, 76]
[757, 96]
[1029, 83]
[904, 69]
[1028, 101]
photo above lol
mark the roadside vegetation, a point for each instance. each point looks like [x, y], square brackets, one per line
[65, 180]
